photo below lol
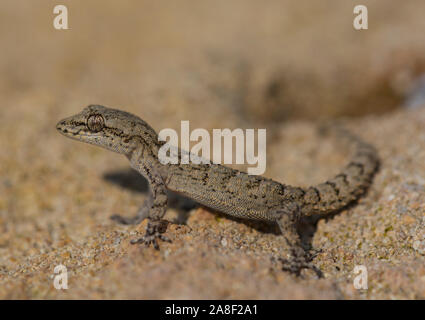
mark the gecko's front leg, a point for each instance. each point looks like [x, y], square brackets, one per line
[157, 206]
[154, 211]
[141, 215]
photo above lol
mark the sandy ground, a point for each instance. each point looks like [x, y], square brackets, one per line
[275, 65]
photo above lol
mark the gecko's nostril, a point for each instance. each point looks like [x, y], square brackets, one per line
[60, 126]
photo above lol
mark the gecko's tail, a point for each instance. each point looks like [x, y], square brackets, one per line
[348, 185]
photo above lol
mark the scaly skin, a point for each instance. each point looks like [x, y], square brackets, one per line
[227, 190]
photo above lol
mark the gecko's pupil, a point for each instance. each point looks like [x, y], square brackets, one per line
[95, 123]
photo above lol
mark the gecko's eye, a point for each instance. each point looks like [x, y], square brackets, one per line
[95, 123]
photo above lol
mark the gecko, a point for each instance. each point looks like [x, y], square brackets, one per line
[222, 188]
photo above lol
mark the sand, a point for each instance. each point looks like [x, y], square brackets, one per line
[279, 65]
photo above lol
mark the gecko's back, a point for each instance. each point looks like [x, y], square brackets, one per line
[250, 196]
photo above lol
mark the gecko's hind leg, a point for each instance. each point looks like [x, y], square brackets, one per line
[141, 215]
[301, 258]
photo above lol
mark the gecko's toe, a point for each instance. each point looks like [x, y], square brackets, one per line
[164, 238]
[295, 267]
[301, 260]
[125, 220]
[136, 241]
[154, 242]
[154, 232]
[147, 240]
[119, 219]
[313, 253]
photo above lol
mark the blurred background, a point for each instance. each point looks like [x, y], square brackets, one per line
[221, 63]
[255, 61]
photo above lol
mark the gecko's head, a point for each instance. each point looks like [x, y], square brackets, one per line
[111, 129]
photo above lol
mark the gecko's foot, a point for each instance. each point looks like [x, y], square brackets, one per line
[154, 231]
[300, 260]
[126, 220]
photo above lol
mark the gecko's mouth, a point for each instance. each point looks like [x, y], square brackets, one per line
[60, 126]
[64, 128]
[75, 130]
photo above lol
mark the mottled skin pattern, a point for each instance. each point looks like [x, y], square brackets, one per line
[224, 189]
